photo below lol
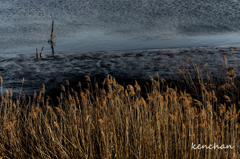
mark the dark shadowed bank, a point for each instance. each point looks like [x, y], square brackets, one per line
[126, 67]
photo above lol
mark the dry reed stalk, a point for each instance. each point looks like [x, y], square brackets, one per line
[225, 59]
[230, 70]
[63, 88]
[67, 82]
[87, 78]
[41, 52]
[179, 71]
[1, 81]
[37, 53]
[51, 36]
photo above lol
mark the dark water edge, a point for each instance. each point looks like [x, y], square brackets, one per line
[79, 45]
[126, 67]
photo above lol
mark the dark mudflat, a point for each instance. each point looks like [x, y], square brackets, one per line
[126, 67]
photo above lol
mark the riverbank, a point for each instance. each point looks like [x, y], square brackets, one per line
[124, 123]
[125, 66]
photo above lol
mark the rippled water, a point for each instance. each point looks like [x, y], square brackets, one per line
[103, 25]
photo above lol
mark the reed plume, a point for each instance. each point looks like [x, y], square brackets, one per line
[116, 121]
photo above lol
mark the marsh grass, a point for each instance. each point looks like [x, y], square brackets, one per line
[114, 121]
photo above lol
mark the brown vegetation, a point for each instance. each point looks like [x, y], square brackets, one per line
[118, 122]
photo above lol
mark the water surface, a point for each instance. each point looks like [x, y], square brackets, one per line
[105, 25]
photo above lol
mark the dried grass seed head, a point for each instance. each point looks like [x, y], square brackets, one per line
[179, 71]
[63, 88]
[87, 78]
[224, 57]
[67, 82]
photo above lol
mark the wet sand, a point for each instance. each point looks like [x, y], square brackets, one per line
[125, 66]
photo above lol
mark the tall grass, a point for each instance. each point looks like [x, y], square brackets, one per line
[119, 122]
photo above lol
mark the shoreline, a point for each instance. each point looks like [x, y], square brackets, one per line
[128, 66]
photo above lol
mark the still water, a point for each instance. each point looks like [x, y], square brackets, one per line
[105, 25]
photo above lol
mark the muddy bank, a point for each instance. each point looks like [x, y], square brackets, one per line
[126, 67]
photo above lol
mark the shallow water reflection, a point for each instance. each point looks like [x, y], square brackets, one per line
[103, 25]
